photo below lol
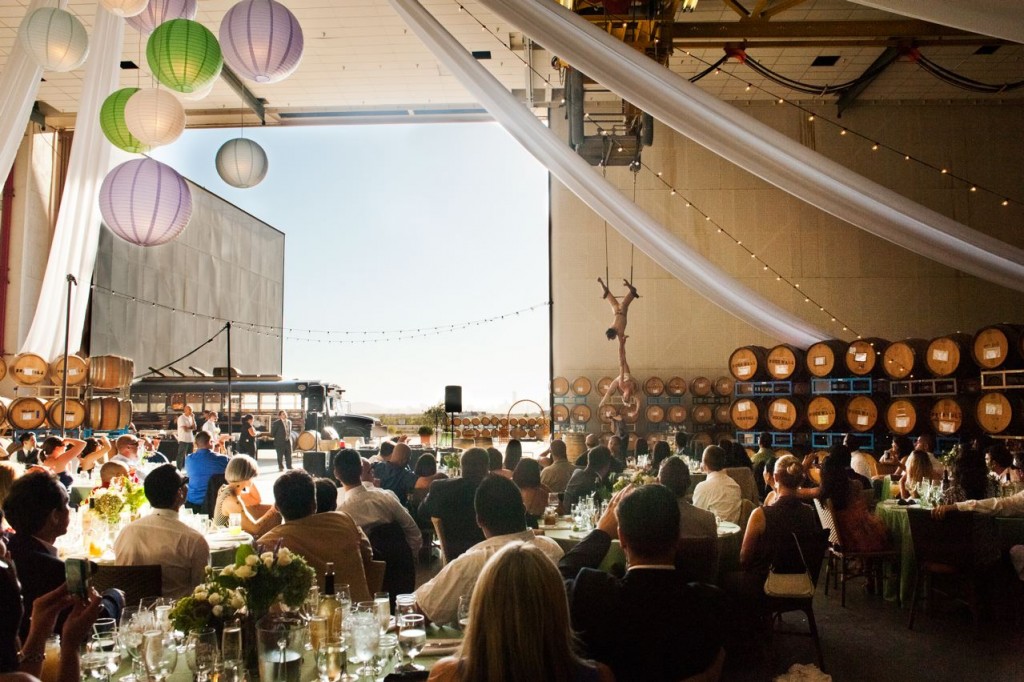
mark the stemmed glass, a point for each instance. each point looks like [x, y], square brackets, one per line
[382, 606]
[463, 611]
[134, 622]
[412, 636]
[231, 649]
[160, 653]
[201, 652]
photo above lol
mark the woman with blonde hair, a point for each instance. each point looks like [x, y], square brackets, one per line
[512, 639]
[919, 468]
[239, 496]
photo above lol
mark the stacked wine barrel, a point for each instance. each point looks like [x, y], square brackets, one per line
[483, 429]
[96, 397]
[916, 385]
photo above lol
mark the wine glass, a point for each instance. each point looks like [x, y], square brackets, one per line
[160, 653]
[231, 646]
[201, 652]
[382, 607]
[365, 640]
[412, 636]
[463, 612]
[317, 632]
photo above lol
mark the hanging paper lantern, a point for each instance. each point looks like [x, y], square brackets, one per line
[184, 55]
[154, 117]
[199, 94]
[113, 124]
[159, 11]
[145, 202]
[241, 163]
[262, 40]
[54, 39]
[124, 8]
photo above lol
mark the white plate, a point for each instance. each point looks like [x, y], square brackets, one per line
[727, 528]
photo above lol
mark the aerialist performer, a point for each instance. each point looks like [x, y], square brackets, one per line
[623, 382]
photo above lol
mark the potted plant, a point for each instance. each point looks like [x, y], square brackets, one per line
[425, 433]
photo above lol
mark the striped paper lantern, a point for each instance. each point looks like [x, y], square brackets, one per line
[159, 11]
[54, 39]
[154, 117]
[145, 202]
[184, 55]
[124, 8]
[262, 40]
[113, 124]
[241, 163]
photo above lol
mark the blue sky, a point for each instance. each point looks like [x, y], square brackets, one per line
[402, 226]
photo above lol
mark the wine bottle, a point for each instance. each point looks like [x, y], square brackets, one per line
[329, 601]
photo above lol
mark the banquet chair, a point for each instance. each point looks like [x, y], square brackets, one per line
[841, 561]
[439, 531]
[747, 508]
[375, 576]
[813, 546]
[697, 559]
[212, 488]
[389, 544]
[137, 582]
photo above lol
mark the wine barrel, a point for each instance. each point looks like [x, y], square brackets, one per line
[825, 358]
[582, 386]
[722, 415]
[602, 385]
[29, 369]
[464, 443]
[950, 355]
[747, 414]
[654, 386]
[457, 421]
[785, 413]
[700, 441]
[606, 412]
[724, 386]
[749, 363]
[905, 415]
[469, 434]
[3, 371]
[559, 386]
[996, 413]
[531, 422]
[581, 414]
[560, 413]
[861, 413]
[998, 346]
[485, 420]
[78, 370]
[74, 413]
[475, 421]
[503, 422]
[787, 363]
[4, 402]
[905, 359]
[949, 415]
[575, 445]
[864, 357]
[822, 413]
[701, 387]
[483, 442]
[125, 409]
[630, 416]
[676, 386]
[26, 413]
[702, 414]
[110, 372]
[654, 414]
[306, 441]
[512, 422]
[676, 414]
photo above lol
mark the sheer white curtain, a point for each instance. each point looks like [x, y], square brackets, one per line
[649, 236]
[763, 151]
[997, 18]
[19, 84]
[73, 250]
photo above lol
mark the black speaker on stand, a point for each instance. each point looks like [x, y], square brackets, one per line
[452, 404]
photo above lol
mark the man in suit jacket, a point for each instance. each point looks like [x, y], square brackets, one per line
[451, 500]
[649, 625]
[586, 482]
[281, 430]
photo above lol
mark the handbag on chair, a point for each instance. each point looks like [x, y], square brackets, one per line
[790, 585]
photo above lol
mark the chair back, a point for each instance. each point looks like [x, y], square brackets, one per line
[827, 520]
[697, 559]
[137, 582]
[961, 539]
[375, 576]
[806, 549]
[441, 537]
[212, 488]
[744, 476]
[389, 545]
[747, 508]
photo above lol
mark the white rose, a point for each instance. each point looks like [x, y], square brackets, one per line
[269, 562]
[284, 559]
[267, 556]
[244, 572]
[218, 611]
[251, 560]
[228, 570]
[215, 598]
[284, 551]
[200, 596]
[237, 602]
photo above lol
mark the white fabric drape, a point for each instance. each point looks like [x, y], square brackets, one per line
[653, 239]
[76, 237]
[998, 18]
[19, 85]
[759, 149]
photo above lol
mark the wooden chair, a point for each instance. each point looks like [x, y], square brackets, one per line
[744, 476]
[137, 582]
[439, 531]
[871, 564]
[813, 546]
[747, 508]
[697, 559]
[375, 576]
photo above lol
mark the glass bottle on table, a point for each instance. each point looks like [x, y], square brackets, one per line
[329, 600]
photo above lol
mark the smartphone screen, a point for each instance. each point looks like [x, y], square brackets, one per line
[76, 572]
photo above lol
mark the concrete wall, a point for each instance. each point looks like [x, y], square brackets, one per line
[878, 289]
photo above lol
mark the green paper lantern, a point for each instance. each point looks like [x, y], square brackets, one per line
[184, 55]
[113, 125]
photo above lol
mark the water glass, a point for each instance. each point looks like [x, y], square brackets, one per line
[412, 636]
[365, 640]
[201, 652]
[387, 650]
[405, 604]
[463, 612]
[160, 653]
[235, 523]
[382, 607]
[231, 645]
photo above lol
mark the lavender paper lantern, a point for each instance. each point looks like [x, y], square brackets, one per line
[54, 39]
[159, 11]
[154, 117]
[145, 202]
[261, 40]
[241, 163]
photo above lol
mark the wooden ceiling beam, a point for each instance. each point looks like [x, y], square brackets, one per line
[751, 30]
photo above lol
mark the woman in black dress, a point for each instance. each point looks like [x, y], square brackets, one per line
[247, 438]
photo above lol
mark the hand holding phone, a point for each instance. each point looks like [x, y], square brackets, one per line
[78, 575]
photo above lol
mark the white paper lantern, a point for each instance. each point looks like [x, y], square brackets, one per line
[159, 11]
[145, 202]
[261, 40]
[242, 163]
[124, 8]
[154, 117]
[199, 94]
[54, 39]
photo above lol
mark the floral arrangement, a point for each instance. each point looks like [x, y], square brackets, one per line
[638, 479]
[209, 605]
[268, 577]
[122, 494]
[451, 461]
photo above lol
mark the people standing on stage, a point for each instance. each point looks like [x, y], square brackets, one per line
[247, 437]
[186, 435]
[281, 430]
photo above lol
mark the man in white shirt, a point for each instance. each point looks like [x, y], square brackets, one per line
[926, 443]
[1012, 505]
[185, 434]
[719, 493]
[160, 538]
[371, 507]
[127, 447]
[502, 517]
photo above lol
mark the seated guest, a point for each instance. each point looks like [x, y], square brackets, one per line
[451, 501]
[899, 449]
[495, 463]
[383, 456]
[28, 453]
[59, 455]
[394, 473]
[111, 471]
[539, 626]
[1012, 505]
[1000, 462]
[513, 453]
[586, 482]
[127, 447]
[199, 466]
[862, 463]
[617, 451]
[502, 518]
[535, 494]
[426, 472]
[660, 453]
[718, 493]
[8, 472]
[326, 495]
[239, 496]
[650, 625]
[161, 538]
[918, 468]
[319, 538]
[556, 476]
[968, 478]
[682, 441]
[857, 527]
[846, 457]
[735, 454]
[693, 521]
[591, 441]
[370, 507]
[95, 453]
[764, 459]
